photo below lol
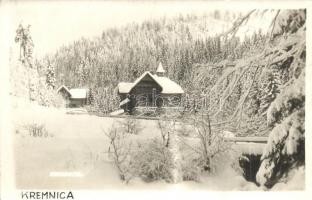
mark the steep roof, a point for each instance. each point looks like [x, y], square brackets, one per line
[168, 86]
[147, 73]
[78, 93]
[63, 87]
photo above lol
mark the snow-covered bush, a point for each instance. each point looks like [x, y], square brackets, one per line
[50, 98]
[191, 169]
[150, 160]
[23, 79]
[37, 130]
[104, 100]
[153, 161]
[47, 96]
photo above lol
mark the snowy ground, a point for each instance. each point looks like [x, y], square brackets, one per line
[77, 144]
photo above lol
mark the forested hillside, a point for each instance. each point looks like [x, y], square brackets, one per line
[182, 44]
[124, 53]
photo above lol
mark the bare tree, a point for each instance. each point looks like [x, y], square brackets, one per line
[211, 144]
[165, 135]
[131, 125]
[166, 127]
[120, 150]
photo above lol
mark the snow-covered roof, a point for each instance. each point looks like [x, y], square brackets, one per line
[75, 93]
[160, 68]
[78, 93]
[63, 87]
[141, 77]
[125, 101]
[168, 86]
[124, 87]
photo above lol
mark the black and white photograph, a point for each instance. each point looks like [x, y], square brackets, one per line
[154, 95]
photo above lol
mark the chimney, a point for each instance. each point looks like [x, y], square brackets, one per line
[160, 70]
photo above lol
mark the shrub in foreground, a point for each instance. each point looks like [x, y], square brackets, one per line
[153, 161]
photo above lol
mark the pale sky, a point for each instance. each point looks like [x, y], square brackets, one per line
[56, 23]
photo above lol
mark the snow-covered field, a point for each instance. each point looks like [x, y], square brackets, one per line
[77, 145]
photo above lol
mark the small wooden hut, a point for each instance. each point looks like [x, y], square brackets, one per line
[75, 97]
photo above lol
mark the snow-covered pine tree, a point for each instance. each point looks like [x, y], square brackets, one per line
[91, 97]
[285, 52]
[285, 150]
[269, 89]
[50, 77]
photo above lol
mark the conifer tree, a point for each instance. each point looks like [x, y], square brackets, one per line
[24, 39]
[269, 90]
[50, 77]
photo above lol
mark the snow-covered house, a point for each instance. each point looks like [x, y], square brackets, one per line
[75, 97]
[150, 90]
